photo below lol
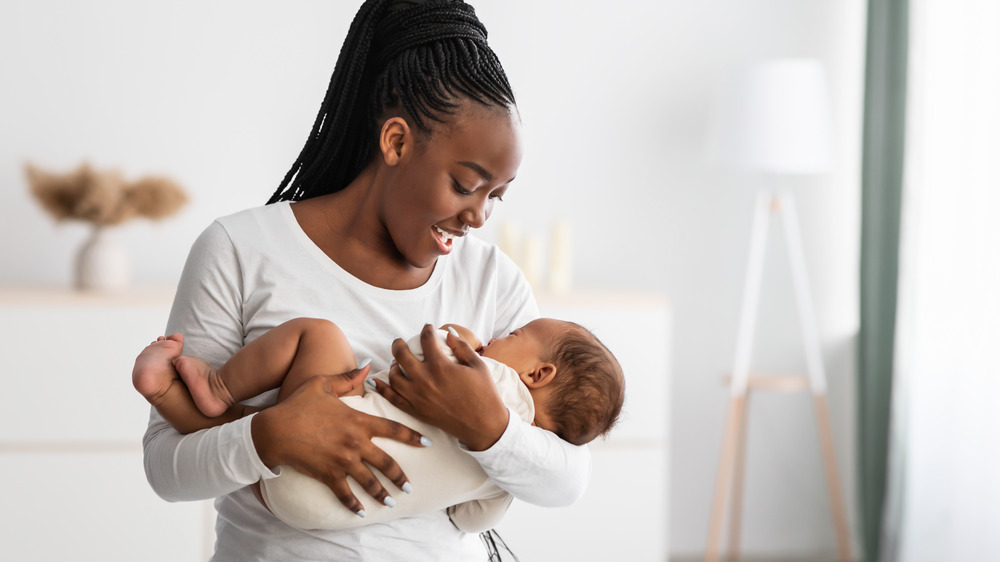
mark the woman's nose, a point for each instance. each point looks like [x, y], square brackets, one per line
[476, 214]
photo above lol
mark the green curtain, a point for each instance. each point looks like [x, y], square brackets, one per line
[881, 187]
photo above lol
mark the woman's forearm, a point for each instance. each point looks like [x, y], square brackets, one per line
[202, 465]
[536, 466]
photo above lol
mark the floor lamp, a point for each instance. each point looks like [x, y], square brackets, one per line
[774, 118]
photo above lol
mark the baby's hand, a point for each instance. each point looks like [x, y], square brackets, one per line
[467, 336]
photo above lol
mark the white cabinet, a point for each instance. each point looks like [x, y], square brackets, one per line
[623, 515]
[72, 485]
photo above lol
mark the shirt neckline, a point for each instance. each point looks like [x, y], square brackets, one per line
[347, 277]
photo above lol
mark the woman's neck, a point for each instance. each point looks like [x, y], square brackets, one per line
[346, 226]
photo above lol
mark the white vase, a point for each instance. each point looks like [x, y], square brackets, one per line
[102, 264]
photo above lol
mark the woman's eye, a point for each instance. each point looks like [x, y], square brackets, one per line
[497, 197]
[459, 189]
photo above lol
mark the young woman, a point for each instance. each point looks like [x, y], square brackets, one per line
[417, 140]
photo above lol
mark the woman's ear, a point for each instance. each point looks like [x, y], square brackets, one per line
[541, 375]
[393, 139]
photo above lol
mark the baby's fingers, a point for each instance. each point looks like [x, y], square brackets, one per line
[464, 352]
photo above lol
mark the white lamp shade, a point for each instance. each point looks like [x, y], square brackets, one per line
[775, 117]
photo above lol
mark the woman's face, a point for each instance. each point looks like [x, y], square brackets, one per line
[450, 182]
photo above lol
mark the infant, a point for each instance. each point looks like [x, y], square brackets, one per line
[551, 373]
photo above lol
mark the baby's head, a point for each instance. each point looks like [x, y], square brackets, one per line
[576, 383]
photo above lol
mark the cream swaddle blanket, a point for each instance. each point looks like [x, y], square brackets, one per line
[443, 476]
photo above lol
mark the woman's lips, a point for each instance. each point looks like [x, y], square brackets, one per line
[443, 238]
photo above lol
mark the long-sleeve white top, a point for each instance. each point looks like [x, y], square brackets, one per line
[253, 270]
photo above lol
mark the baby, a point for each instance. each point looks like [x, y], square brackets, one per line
[551, 373]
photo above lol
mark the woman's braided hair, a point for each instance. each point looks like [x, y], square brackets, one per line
[418, 57]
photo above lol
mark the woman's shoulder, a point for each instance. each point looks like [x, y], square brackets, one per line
[255, 216]
[252, 225]
[248, 231]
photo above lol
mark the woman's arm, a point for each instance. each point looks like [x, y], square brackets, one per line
[312, 431]
[536, 466]
[532, 464]
[206, 310]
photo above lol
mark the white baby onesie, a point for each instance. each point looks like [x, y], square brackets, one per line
[443, 475]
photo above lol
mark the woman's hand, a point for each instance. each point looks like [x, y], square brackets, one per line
[315, 433]
[460, 398]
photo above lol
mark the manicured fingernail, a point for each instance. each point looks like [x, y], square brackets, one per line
[362, 514]
[426, 441]
[389, 502]
[364, 363]
[453, 331]
[371, 383]
[407, 488]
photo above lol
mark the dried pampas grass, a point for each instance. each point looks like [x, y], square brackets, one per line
[104, 198]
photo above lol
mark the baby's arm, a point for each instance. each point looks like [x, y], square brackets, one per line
[466, 335]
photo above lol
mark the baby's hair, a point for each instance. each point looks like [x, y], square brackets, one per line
[585, 404]
[414, 57]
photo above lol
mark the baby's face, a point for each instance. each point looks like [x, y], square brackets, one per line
[526, 346]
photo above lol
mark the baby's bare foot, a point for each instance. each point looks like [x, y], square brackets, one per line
[153, 372]
[203, 381]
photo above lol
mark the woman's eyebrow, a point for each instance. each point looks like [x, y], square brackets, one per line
[478, 169]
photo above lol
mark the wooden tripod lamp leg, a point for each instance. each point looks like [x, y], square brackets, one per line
[832, 480]
[739, 476]
[817, 375]
[724, 476]
[740, 375]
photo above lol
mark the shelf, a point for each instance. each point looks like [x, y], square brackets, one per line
[62, 296]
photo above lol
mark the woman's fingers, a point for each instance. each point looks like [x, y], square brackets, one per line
[381, 461]
[405, 360]
[396, 431]
[341, 384]
[340, 488]
[370, 484]
[319, 435]
[392, 391]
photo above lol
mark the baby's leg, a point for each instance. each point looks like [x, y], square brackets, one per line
[153, 374]
[155, 378]
[322, 350]
[285, 356]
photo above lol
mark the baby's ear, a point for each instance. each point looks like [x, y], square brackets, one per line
[541, 375]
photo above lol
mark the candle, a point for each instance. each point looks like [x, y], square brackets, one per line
[560, 258]
[531, 264]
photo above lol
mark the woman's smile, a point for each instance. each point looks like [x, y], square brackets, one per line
[445, 238]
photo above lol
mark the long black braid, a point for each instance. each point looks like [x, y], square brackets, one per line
[420, 57]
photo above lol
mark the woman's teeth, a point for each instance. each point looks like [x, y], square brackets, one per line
[447, 237]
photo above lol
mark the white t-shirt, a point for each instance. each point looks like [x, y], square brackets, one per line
[251, 271]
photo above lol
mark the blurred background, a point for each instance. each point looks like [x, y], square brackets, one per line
[617, 101]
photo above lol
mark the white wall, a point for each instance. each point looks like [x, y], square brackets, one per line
[615, 98]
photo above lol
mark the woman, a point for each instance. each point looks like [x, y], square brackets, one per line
[416, 141]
